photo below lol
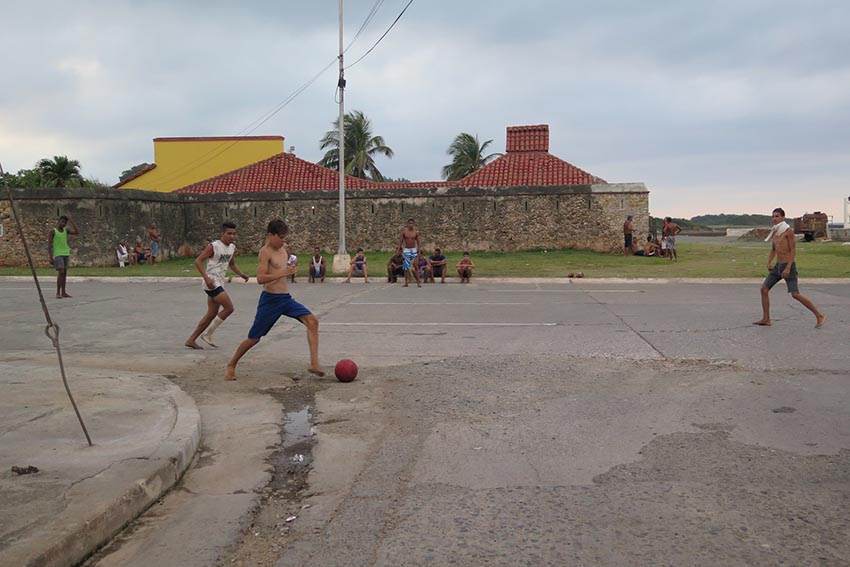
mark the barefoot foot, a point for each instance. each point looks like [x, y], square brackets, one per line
[194, 345]
[316, 370]
[821, 321]
[65, 295]
[230, 374]
[762, 322]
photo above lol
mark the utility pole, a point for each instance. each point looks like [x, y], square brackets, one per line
[341, 259]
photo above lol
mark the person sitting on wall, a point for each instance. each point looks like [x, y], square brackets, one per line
[395, 266]
[438, 266]
[358, 267]
[123, 253]
[465, 267]
[317, 267]
[424, 266]
[140, 251]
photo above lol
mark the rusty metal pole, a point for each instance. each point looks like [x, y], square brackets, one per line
[52, 329]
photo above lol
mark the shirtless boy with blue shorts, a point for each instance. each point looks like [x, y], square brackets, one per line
[272, 273]
[410, 247]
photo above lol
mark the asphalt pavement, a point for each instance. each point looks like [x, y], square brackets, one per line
[512, 423]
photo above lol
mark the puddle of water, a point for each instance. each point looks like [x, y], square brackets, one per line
[293, 461]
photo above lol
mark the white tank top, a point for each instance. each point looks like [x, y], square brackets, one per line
[217, 264]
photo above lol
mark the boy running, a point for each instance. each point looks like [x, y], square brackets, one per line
[220, 254]
[60, 253]
[272, 273]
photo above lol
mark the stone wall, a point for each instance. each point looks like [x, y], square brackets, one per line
[503, 219]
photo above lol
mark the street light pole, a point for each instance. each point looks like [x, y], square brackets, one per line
[341, 259]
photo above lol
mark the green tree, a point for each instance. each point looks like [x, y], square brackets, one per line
[128, 172]
[467, 154]
[361, 147]
[60, 171]
[24, 179]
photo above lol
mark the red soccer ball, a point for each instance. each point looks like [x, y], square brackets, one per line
[345, 370]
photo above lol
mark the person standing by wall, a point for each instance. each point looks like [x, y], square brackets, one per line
[154, 235]
[628, 231]
[410, 245]
[60, 252]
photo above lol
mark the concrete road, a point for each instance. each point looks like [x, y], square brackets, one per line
[508, 424]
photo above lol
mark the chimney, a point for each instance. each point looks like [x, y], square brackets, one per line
[292, 150]
[528, 138]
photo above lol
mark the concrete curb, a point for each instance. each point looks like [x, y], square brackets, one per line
[494, 279]
[176, 453]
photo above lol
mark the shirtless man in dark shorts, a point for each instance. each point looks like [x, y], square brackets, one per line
[628, 231]
[784, 248]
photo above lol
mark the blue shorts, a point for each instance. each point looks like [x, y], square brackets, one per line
[269, 310]
[409, 255]
[154, 249]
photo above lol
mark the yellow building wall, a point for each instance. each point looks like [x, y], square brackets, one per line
[183, 161]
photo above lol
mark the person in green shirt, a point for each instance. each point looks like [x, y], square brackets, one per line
[59, 252]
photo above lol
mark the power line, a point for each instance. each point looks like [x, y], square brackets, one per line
[252, 127]
[362, 57]
[375, 7]
[224, 146]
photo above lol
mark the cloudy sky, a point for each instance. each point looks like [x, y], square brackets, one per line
[718, 106]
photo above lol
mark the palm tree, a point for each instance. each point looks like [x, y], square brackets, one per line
[60, 171]
[360, 147]
[467, 156]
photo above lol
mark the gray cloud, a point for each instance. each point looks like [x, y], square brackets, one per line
[725, 99]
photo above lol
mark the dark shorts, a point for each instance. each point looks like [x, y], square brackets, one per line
[775, 276]
[270, 308]
[60, 262]
[438, 270]
[214, 292]
[154, 249]
[628, 240]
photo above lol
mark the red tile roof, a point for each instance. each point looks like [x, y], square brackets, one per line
[528, 169]
[528, 138]
[281, 172]
[527, 163]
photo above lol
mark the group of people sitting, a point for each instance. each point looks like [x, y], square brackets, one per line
[423, 269]
[139, 254]
[426, 268]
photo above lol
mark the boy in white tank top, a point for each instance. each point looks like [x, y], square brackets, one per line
[219, 255]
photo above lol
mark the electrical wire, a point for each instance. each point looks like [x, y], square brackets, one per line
[375, 7]
[362, 57]
[250, 128]
[253, 126]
